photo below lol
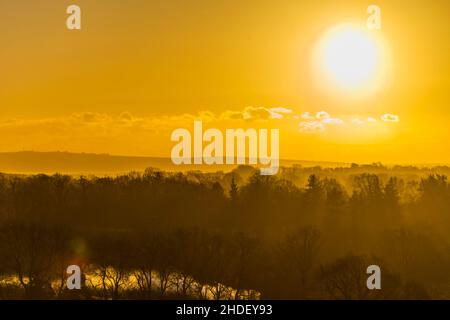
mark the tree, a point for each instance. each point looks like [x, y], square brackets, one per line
[233, 191]
[298, 256]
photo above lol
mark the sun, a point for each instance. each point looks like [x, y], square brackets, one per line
[350, 58]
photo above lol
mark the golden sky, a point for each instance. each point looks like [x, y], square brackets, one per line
[140, 68]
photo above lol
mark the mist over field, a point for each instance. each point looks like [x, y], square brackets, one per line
[307, 233]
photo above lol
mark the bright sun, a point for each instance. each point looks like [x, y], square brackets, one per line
[349, 57]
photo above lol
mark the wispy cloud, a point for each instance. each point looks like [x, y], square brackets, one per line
[320, 121]
[317, 122]
[107, 129]
[358, 121]
[311, 126]
[389, 117]
[307, 116]
[257, 113]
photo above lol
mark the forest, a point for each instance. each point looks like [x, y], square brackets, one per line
[306, 233]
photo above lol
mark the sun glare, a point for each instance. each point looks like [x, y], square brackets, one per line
[350, 58]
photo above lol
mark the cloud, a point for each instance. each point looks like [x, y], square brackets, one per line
[318, 122]
[232, 115]
[311, 126]
[90, 117]
[307, 116]
[322, 115]
[106, 130]
[257, 113]
[88, 125]
[332, 121]
[126, 116]
[389, 117]
[281, 110]
[358, 121]
[321, 120]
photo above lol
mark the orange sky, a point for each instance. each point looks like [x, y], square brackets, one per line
[139, 69]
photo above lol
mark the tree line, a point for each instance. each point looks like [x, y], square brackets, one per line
[235, 235]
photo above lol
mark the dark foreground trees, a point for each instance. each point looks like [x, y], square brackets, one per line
[224, 236]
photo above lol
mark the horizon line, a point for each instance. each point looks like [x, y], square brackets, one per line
[246, 158]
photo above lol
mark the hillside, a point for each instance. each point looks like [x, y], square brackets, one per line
[86, 163]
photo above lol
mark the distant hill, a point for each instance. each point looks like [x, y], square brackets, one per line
[87, 163]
